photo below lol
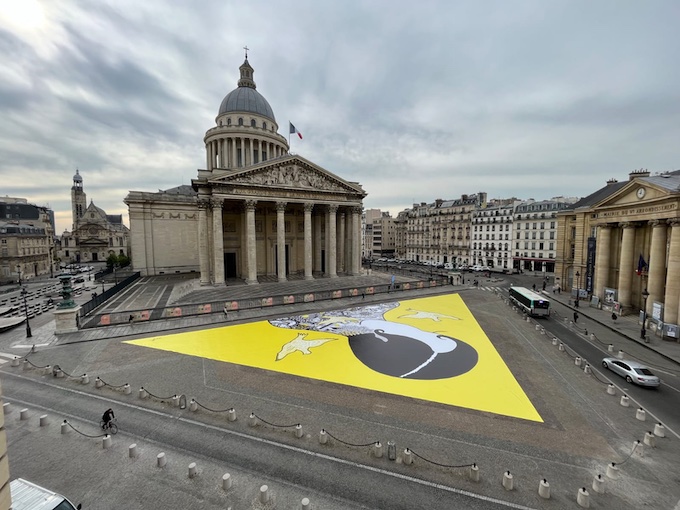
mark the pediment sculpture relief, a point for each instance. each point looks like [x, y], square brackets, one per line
[292, 176]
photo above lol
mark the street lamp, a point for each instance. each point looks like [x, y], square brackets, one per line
[578, 287]
[24, 292]
[643, 331]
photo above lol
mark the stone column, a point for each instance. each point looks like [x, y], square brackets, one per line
[341, 243]
[218, 241]
[317, 242]
[203, 252]
[356, 244]
[281, 240]
[252, 152]
[308, 241]
[672, 298]
[251, 238]
[207, 156]
[657, 263]
[602, 248]
[626, 263]
[332, 241]
[233, 152]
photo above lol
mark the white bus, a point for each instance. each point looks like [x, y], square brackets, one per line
[532, 303]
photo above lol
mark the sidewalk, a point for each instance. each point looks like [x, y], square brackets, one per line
[625, 325]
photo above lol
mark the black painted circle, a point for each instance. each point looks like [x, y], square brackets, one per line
[400, 355]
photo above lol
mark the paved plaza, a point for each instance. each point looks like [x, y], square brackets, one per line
[452, 373]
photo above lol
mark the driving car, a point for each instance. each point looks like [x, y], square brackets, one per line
[632, 371]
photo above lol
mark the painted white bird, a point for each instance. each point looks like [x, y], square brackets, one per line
[419, 314]
[300, 344]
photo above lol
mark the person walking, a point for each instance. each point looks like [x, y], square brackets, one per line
[575, 317]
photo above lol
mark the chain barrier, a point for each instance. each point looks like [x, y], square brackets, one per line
[629, 455]
[349, 444]
[83, 433]
[213, 410]
[33, 364]
[157, 397]
[274, 424]
[439, 464]
[597, 378]
[111, 385]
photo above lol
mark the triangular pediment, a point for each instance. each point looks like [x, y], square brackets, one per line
[291, 172]
[636, 192]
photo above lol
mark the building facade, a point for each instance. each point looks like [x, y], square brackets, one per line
[620, 246]
[367, 218]
[384, 235]
[535, 226]
[440, 232]
[26, 240]
[254, 212]
[94, 234]
[492, 234]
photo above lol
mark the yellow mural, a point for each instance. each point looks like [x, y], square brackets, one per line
[429, 348]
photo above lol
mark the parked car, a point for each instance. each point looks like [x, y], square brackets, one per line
[632, 371]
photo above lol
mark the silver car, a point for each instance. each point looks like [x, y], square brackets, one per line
[632, 371]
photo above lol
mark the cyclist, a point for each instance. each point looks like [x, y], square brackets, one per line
[107, 417]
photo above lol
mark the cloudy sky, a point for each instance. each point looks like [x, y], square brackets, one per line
[414, 100]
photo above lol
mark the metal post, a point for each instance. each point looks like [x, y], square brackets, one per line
[578, 287]
[643, 331]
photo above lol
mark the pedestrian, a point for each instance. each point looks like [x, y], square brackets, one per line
[575, 317]
[543, 285]
[131, 318]
[614, 316]
[363, 295]
[534, 287]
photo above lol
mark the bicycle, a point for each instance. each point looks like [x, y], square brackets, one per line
[111, 427]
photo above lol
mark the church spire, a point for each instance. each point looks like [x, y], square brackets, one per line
[246, 73]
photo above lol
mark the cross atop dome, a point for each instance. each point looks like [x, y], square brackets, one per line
[246, 73]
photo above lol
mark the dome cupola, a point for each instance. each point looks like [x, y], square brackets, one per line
[245, 99]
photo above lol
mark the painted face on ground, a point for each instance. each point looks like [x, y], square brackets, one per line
[404, 351]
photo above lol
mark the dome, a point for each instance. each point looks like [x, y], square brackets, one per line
[247, 100]
[77, 177]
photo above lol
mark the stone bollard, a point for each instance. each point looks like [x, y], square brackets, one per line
[598, 484]
[106, 442]
[474, 473]
[407, 457]
[528, 319]
[23, 414]
[15, 362]
[175, 400]
[544, 489]
[43, 420]
[560, 347]
[47, 370]
[577, 361]
[592, 336]
[298, 431]
[391, 450]
[640, 414]
[639, 448]
[542, 330]
[611, 389]
[264, 494]
[252, 420]
[538, 327]
[323, 437]
[508, 482]
[193, 406]
[586, 369]
[84, 379]
[610, 348]
[192, 470]
[625, 401]
[143, 393]
[583, 498]
[612, 471]
[6, 408]
[554, 341]
[98, 383]
[226, 481]
[305, 504]
[127, 389]
[650, 439]
[619, 355]
[64, 427]
[24, 365]
[377, 450]
[231, 414]
[132, 451]
[659, 430]
[161, 460]
[59, 373]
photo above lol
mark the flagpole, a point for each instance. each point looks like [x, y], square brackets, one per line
[288, 137]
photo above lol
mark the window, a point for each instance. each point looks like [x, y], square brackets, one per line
[540, 246]
[228, 122]
[253, 123]
[240, 121]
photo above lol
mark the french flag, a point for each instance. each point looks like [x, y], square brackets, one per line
[294, 130]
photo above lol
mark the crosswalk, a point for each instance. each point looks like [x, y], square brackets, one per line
[496, 290]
